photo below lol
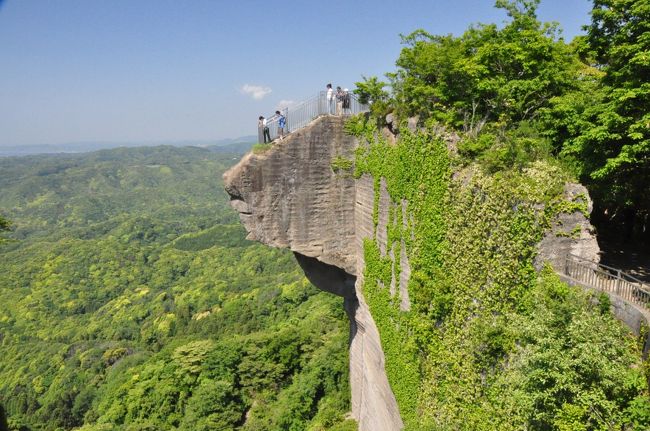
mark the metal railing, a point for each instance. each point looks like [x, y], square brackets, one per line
[607, 279]
[302, 114]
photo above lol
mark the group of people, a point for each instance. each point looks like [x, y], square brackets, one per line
[342, 97]
[263, 126]
[339, 98]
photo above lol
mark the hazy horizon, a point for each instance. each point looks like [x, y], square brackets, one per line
[122, 71]
[85, 147]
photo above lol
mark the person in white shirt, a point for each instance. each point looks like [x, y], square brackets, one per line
[330, 98]
[265, 129]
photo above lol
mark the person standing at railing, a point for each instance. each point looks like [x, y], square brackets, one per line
[263, 130]
[346, 102]
[330, 98]
[282, 124]
[339, 101]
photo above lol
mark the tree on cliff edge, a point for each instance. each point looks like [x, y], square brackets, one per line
[613, 145]
[489, 74]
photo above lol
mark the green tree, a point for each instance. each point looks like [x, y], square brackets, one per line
[371, 91]
[487, 74]
[133, 301]
[612, 145]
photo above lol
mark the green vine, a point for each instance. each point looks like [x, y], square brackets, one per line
[341, 164]
[470, 240]
[573, 233]
[578, 204]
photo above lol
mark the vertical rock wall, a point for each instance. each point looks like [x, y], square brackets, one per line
[379, 412]
[290, 197]
[570, 233]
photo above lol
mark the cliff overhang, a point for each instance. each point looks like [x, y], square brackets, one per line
[291, 196]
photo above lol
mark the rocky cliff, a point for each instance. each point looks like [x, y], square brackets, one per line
[300, 194]
[292, 196]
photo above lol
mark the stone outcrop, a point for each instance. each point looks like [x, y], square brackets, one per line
[300, 195]
[570, 233]
[291, 196]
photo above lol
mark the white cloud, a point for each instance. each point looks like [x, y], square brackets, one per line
[257, 92]
[285, 104]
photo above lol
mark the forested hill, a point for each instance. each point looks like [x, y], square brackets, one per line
[129, 299]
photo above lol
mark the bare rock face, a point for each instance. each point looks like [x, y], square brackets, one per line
[300, 194]
[570, 233]
[290, 197]
[296, 196]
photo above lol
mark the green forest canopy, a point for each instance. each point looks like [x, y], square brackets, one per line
[520, 91]
[135, 302]
[4, 226]
[131, 300]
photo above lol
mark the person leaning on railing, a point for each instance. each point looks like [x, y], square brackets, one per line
[305, 112]
[264, 128]
[339, 101]
[346, 101]
[282, 124]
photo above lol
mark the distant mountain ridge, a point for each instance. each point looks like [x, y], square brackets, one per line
[84, 147]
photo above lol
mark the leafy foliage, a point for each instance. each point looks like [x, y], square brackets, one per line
[519, 93]
[612, 142]
[132, 301]
[573, 367]
[261, 148]
[497, 345]
[4, 227]
[371, 92]
[488, 344]
[341, 164]
[487, 74]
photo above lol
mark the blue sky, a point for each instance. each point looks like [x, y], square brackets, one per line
[146, 71]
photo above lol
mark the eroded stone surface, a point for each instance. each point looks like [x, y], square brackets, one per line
[380, 411]
[291, 197]
[570, 233]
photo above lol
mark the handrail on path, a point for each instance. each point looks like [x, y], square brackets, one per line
[607, 279]
[305, 112]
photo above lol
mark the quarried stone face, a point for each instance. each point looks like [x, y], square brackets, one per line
[291, 196]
